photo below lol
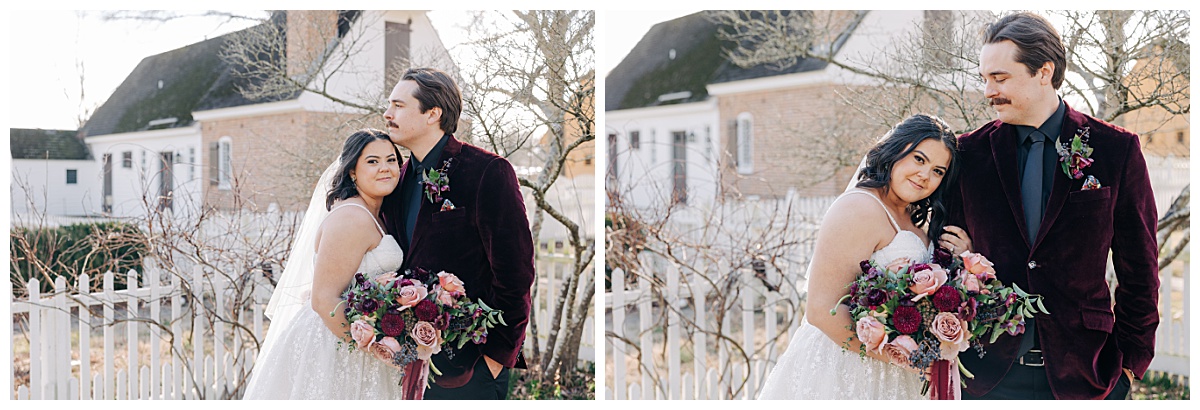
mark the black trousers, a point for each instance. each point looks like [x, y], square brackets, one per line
[481, 386]
[1031, 383]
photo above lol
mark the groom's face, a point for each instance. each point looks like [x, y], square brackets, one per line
[405, 121]
[1010, 89]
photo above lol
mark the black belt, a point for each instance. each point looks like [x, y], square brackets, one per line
[1033, 358]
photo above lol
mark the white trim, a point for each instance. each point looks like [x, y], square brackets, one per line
[253, 110]
[771, 83]
[661, 111]
[190, 130]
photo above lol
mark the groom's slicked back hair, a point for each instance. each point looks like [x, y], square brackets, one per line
[1037, 42]
[436, 89]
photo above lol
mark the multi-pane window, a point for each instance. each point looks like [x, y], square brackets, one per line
[745, 143]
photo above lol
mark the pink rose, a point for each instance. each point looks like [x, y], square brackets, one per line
[897, 264]
[871, 333]
[386, 278]
[952, 331]
[970, 282]
[451, 283]
[362, 333]
[411, 295]
[978, 264]
[446, 298]
[926, 282]
[384, 349]
[900, 350]
[428, 338]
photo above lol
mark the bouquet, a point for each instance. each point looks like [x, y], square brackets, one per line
[405, 319]
[922, 315]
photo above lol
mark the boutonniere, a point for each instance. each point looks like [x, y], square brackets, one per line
[1077, 156]
[437, 182]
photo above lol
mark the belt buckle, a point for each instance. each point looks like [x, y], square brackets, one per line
[1040, 363]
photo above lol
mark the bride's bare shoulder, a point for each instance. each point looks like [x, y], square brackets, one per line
[856, 214]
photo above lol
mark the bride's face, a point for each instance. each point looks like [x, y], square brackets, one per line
[918, 174]
[378, 169]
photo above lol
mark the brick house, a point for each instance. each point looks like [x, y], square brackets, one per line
[684, 125]
[178, 134]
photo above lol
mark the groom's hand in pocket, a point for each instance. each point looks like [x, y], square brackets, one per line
[494, 366]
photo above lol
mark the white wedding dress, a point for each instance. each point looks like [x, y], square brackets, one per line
[302, 359]
[814, 367]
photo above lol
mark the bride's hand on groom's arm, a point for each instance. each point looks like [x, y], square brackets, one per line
[955, 240]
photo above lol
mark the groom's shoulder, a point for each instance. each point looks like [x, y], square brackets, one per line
[1099, 127]
[481, 156]
[979, 137]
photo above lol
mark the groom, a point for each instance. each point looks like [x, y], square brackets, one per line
[1051, 233]
[470, 222]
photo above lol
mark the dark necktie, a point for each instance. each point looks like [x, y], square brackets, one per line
[1031, 185]
[1031, 200]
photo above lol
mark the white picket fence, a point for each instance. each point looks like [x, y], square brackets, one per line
[218, 361]
[759, 325]
[205, 362]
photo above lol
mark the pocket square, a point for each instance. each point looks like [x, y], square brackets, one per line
[1091, 183]
[447, 205]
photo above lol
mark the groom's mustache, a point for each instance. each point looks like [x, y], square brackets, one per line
[998, 101]
[392, 125]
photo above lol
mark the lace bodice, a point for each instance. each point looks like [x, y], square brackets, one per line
[906, 244]
[387, 257]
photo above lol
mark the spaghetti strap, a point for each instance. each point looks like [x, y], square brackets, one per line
[381, 232]
[885, 210]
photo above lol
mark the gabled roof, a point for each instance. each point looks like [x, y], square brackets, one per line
[46, 144]
[649, 72]
[174, 84]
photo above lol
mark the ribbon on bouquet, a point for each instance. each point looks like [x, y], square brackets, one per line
[945, 381]
[414, 381]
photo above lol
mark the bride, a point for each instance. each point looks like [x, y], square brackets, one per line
[304, 355]
[898, 191]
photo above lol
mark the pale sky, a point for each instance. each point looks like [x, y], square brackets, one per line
[623, 28]
[44, 75]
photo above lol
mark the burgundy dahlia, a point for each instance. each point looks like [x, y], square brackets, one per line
[947, 299]
[907, 319]
[392, 324]
[426, 310]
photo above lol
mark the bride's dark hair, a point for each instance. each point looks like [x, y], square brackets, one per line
[896, 145]
[342, 186]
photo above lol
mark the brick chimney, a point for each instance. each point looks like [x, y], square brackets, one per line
[309, 32]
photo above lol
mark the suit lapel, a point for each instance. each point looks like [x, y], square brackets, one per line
[1072, 120]
[1004, 153]
[425, 214]
[400, 236]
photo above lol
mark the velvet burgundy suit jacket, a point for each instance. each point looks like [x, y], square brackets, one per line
[1085, 339]
[485, 241]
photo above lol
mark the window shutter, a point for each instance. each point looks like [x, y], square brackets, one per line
[214, 163]
[731, 144]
